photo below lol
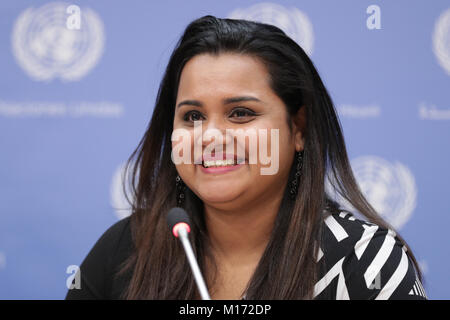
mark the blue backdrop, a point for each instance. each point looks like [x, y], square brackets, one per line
[77, 87]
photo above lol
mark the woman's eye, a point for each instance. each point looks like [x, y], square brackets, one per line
[192, 116]
[241, 113]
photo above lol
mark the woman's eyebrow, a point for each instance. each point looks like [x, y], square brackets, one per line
[240, 99]
[197, 103]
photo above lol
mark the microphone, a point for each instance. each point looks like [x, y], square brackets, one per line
[178, 222]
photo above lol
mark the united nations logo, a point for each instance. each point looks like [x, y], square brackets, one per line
[389, 187]
[292, 21]
[119, 202]
[441, 40]
[46, 48]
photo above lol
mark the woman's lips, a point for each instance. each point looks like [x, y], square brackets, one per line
[222, 156]
[222, 169]
[222, 159]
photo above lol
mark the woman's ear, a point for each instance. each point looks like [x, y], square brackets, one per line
[299, 128]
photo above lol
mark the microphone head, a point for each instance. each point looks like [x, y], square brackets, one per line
[176, 218]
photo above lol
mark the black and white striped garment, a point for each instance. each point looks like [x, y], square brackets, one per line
[360, 260]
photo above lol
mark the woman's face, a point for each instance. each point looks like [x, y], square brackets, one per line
[207, 84]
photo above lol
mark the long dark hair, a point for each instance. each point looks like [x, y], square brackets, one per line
[287, 269]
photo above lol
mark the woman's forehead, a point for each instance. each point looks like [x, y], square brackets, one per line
[227, 74]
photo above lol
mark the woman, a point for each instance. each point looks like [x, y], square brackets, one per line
[256, 236]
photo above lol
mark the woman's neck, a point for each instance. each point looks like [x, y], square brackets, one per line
[241, 236]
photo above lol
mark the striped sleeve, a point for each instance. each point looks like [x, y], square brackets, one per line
[379, 268]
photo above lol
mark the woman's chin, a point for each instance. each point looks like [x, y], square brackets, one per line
[218, 196]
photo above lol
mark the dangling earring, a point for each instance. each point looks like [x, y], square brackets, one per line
[181, 187]
[296, 181]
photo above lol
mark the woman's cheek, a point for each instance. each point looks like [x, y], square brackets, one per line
[182, 146]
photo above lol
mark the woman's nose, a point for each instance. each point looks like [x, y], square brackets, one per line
[213, 131]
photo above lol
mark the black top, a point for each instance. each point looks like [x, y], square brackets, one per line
[359, 260]
[97, 272]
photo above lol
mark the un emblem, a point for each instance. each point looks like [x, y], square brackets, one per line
[389, 187]
[292, 21]
[46, 48]
[441, 40]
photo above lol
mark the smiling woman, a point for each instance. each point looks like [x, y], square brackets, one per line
[258, 236]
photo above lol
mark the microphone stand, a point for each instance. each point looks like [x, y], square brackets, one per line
[183, 236]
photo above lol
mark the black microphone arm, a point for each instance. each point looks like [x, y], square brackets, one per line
[179, 224]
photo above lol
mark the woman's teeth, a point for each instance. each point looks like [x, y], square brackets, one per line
[222, 163]
[218, 163]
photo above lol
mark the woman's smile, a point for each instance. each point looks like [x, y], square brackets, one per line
[221, 167]
[219, 163]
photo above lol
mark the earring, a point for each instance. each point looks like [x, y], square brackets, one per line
[180, 188]
[295, 182]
